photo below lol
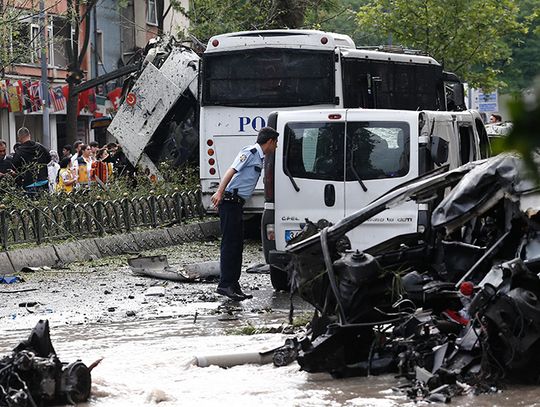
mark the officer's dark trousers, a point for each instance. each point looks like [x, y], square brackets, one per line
[232, 243]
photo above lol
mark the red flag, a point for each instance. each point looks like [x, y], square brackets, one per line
[4, 101]
[114, 96]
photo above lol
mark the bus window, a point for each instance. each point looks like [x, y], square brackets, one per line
[269, 78]
[314, 150]
[391, 85]
[377, 150]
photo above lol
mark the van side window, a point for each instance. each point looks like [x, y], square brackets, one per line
[466, 149]
[314, 150]
[377, 150]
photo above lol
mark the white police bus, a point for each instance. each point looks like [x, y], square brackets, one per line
[247, 75]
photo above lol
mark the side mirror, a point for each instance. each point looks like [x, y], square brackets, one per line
[439, 150]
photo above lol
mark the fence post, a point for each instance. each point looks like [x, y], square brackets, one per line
[125, 210]
[3, 227]
[37, 225]
[99, 215]
[152, 202]
[177, 205]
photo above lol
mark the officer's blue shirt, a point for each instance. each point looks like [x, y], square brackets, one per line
[248, 165]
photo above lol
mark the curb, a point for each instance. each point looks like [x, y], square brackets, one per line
[13, 261]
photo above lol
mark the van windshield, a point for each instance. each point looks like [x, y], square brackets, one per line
[269, 77]
[335, 151]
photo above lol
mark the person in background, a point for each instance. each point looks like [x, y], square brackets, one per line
[66, 178]
[52, 170]
[95, 147]
[101, 169]
[495, 118]
[30, 161]
[66, 151]
[6, 166]
[76, 154]
[15, 147]
[84, 166]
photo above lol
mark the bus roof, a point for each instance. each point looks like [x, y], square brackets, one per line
[388, 56]
[310, 39]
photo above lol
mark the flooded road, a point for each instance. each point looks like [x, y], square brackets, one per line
[148, 344]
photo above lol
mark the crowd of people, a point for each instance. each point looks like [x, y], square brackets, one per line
[81, 166]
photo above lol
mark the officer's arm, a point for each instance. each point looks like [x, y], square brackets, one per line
[216, 198]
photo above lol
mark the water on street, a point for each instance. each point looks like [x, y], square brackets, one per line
[148, 344]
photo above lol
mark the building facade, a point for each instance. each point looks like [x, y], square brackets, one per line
[116, 35]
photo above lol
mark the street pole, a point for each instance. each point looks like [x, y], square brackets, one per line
[44, 80]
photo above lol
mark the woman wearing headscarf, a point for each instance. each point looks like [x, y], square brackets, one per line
[52, 170]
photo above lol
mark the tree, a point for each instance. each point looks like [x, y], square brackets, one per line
[524, 64]
[78, 13]
[471, 37]
[211, 17]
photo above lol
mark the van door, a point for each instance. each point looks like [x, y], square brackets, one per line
[309, 173]
[382, 152]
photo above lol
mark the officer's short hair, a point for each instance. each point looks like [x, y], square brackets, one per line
[23, 133]
[265, 134]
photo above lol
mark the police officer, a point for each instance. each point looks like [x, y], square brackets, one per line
[235, 188]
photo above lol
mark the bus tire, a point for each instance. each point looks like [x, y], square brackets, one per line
[280, 279]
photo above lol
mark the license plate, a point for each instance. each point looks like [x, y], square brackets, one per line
[291, 234]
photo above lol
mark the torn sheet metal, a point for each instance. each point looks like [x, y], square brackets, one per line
[158, 267]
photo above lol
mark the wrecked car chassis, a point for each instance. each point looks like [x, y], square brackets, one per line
[458, 304]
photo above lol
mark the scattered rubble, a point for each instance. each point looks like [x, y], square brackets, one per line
[454, 310]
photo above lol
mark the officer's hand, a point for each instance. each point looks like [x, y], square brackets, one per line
[216, 198]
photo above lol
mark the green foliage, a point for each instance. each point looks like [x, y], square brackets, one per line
[212, 17]
[471, 37]
[525, 135]
[174, 179]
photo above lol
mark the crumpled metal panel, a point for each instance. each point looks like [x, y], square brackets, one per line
[481, 189]
[151, 98]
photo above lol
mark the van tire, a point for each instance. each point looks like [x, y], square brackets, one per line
[280, 279]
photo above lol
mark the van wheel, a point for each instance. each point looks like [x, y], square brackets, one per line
[279, 279]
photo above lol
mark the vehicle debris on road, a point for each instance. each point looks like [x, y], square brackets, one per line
[33, 374]
[158, 267]
[454, 309]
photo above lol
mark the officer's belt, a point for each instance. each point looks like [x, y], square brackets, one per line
[230, 197]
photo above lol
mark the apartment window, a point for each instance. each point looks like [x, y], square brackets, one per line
[99, 46]
[151, 12]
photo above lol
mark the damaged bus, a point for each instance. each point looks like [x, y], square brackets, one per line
[331, 163]
[247, 75]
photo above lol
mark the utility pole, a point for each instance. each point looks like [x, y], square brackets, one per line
[44, 80]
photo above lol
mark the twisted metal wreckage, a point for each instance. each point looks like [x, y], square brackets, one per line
[32, 375]
[457, 309]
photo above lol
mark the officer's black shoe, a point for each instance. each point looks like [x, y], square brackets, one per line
[230, 292]
[239, 291]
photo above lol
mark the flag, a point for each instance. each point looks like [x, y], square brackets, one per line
[4, 100]
[114, 96]
[25, 92]
[35, 96]
[15, 97]
[58, 101]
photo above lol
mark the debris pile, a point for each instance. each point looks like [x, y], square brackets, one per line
[454, 309]
[32, 375]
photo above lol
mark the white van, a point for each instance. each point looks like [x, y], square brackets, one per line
[331, 163]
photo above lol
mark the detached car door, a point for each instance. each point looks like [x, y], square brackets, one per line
[309, 173]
